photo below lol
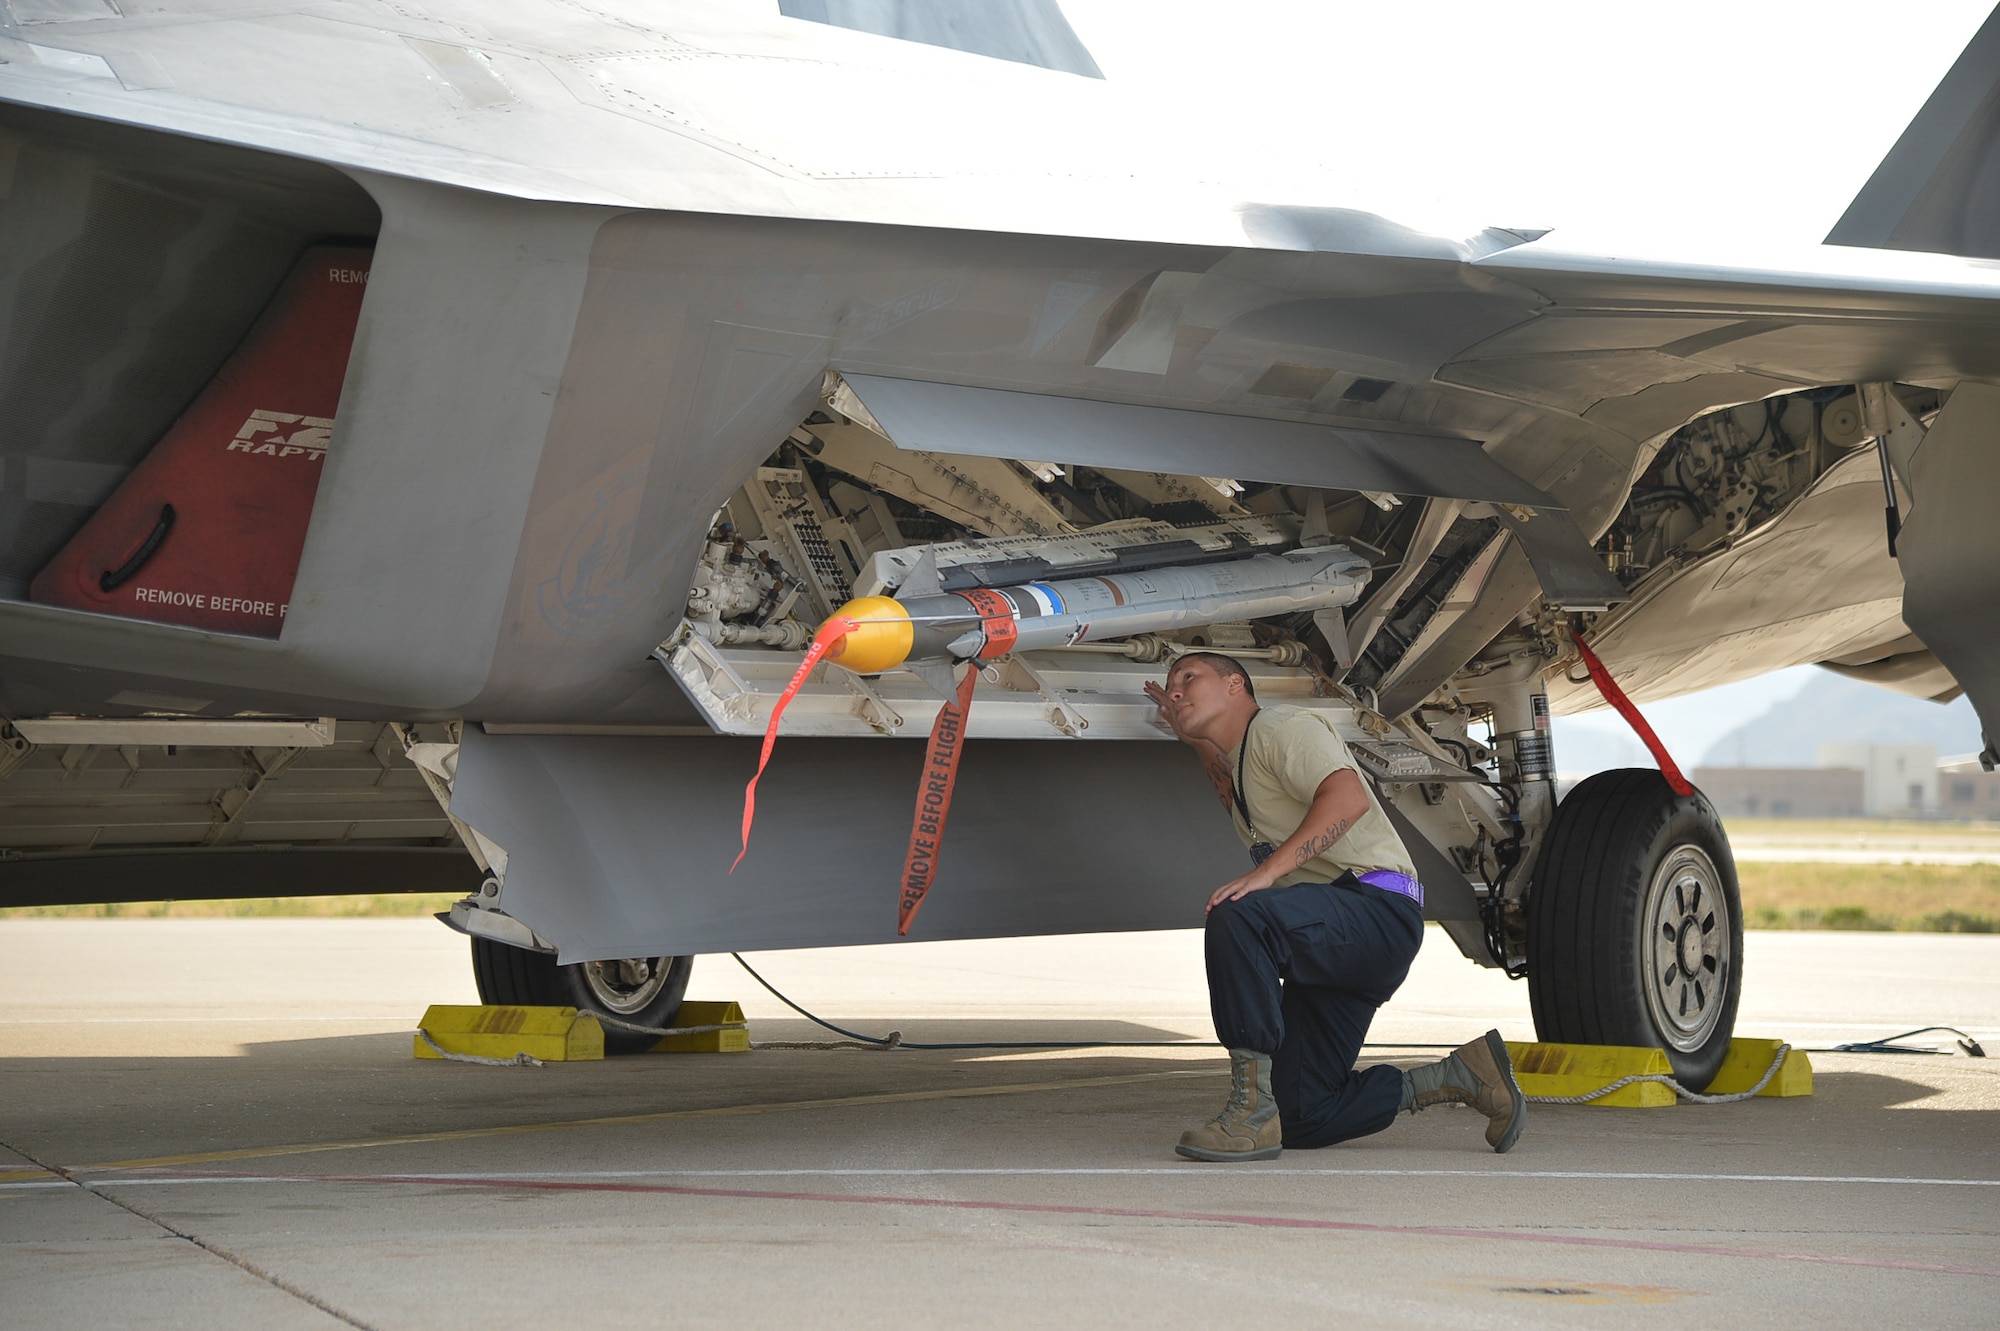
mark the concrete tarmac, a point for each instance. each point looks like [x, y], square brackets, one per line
[245, 1140]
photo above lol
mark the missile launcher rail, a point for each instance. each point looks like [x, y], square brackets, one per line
[1029, 695]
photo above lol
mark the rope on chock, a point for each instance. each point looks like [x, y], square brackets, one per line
[521, 1060]
[895, 1037]
[1696, 1097]
[605, 1019]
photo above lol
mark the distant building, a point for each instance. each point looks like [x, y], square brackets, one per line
[1965, 790]
[1782, 792]
[1896, 779]
[1857, 780]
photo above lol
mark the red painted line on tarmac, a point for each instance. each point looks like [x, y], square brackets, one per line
[1132, 1213]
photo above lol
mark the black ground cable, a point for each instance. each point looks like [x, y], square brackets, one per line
[1506, 858]
[1887, 1044]
[895, 1040]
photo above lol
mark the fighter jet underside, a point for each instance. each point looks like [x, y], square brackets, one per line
[428, 475]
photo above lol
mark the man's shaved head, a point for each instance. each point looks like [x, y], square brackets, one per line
[1226, 666]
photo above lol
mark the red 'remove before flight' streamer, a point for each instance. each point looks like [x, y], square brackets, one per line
[829, 633]
[941, 756]
[1616, 697]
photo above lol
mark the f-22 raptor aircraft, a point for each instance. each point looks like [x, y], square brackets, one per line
[433, 434]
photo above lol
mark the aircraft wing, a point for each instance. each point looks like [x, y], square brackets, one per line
[706, 106]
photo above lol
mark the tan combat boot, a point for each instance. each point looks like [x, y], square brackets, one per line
[1247, 1128]
[1478, 1074]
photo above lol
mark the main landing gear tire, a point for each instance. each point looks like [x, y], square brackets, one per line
[645, 991]
[1635, 928]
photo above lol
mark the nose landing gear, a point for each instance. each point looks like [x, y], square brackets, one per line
[1635, 929]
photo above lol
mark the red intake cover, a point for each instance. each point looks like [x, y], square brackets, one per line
[207, 529]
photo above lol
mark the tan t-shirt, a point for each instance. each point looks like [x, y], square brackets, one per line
[1292, 750]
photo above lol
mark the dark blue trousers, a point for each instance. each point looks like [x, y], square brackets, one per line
[1297, 973]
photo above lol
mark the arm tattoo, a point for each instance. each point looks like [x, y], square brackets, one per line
[1317, 846]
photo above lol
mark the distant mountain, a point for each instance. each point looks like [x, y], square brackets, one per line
[1834, 707]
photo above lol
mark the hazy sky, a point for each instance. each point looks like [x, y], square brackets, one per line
[1706, 124]
[1687, 725]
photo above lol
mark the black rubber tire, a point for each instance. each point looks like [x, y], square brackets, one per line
[512, 975]
[1621, 844]
[507, 974]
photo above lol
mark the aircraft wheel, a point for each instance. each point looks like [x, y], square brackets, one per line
[1635, 928]
[646, 991]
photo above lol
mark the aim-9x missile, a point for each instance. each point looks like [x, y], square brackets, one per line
[923, 625]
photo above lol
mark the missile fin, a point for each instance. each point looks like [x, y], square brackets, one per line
[1333, 624]
[936, 675]
[923, 579]
[1313, 531]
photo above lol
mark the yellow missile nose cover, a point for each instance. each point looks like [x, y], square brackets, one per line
[881, 637]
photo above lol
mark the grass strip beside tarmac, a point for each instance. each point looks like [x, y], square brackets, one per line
[1868, 831]
[1940, 898]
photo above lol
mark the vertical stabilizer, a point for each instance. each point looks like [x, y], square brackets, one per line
[1938, 190]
